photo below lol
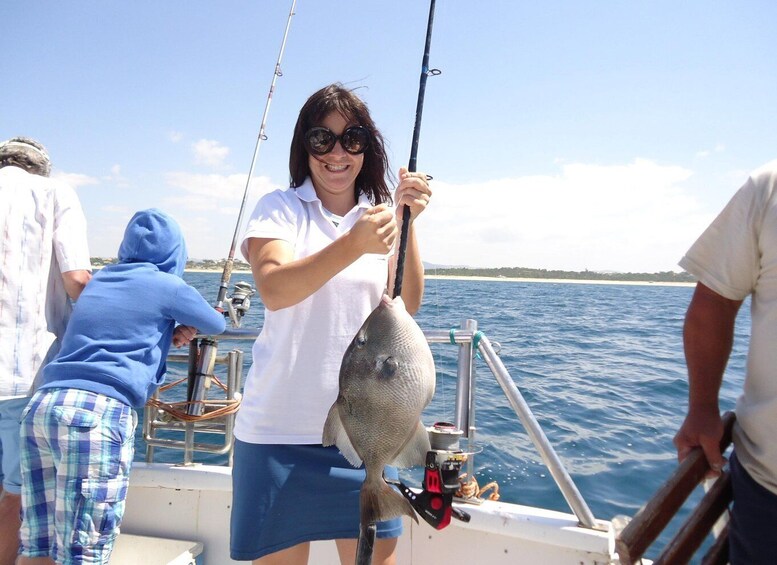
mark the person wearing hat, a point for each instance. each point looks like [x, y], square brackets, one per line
[44, 261]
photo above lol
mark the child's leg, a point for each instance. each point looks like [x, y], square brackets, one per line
[38, 481]
[92, 438]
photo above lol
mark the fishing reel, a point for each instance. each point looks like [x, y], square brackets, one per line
[441, 478]
[239, 303]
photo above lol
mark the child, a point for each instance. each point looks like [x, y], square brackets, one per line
[78, 429]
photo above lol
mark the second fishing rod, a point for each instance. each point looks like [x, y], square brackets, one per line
[201, 371]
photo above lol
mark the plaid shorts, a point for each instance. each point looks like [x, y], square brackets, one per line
[76, 449]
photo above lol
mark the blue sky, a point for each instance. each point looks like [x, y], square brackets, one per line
[600, 135]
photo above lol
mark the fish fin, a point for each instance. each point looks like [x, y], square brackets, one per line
[379, 502]
[332, 426]
[335, 434]
[414, 451]
[348, 451]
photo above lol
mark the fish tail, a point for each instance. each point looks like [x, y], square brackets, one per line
[380, 502]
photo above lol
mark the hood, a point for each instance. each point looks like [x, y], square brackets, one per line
[154, 237]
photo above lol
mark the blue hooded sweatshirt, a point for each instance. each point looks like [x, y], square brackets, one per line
[122, 325]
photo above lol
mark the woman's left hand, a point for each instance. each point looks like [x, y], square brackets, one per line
[413, 191]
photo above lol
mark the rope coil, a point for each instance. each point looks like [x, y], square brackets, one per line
[469, 488]
[178, 410]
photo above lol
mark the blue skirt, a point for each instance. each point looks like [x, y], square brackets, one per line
[283, 495]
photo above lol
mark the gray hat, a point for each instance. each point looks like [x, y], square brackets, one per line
[25, 153]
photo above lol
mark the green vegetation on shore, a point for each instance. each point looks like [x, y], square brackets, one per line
[527, 273]
[501, 272]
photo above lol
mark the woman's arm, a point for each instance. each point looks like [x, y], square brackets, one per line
[283, 281]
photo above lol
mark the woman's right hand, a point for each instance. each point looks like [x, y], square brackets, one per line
[283, 280]
[376, 231]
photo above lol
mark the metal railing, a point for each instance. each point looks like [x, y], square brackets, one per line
[468, 338]
[471, 340]
[156, 420]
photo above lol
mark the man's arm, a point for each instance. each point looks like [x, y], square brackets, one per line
[75, 281]
[708, 336]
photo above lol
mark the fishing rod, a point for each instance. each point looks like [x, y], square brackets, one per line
[201, 371]
[227, 273]
[366, 542]
[425, 72]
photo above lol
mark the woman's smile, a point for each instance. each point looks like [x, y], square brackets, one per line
[334, 174]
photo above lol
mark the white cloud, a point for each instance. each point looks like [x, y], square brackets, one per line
[209, 152]
[75, 179]
[116, 177]
[106, 229]
[175, 136]
[633, 217]
[207, 206]
[704, 153]
[213, 191]
[113, 209]
[628, 218]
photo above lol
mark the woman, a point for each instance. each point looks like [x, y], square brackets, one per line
[320, 253]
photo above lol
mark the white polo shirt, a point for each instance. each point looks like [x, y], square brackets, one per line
[293, 380]
[42, 234]
[736, 256]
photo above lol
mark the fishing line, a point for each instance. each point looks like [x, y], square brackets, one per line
[227, 273]
[425, 72]
[412, 167]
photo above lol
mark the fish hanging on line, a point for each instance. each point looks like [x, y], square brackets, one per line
[387, 378]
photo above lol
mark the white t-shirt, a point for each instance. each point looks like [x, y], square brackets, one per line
[296, 359]
[42, 234]
[736, 257]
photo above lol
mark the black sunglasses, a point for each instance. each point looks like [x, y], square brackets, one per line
[321, 140]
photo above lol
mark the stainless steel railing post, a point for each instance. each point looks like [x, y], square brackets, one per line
[464, 380]
[538, 437]
[200, 381]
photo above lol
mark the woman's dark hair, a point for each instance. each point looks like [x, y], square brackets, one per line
[372, 179]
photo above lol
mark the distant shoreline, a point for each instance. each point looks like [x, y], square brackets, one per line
[509, 279]
[187, 270]
[562, 281]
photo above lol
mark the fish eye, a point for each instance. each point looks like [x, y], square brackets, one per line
[360, 339]
[389, 367]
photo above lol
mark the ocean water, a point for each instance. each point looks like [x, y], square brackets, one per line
[601, 367]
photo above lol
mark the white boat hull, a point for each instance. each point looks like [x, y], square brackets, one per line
[193, 503]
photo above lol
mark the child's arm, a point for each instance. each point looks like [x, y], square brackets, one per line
[190, 309]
